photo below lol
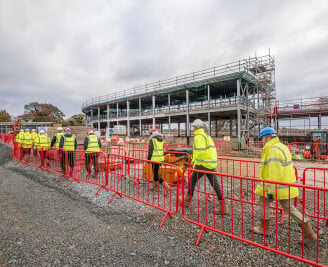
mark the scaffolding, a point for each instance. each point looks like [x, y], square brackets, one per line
[235, 92]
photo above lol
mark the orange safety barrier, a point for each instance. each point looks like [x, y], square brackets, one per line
[240, 221]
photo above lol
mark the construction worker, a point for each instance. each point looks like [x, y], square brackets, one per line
[204, 158]
[27, 145]
[156, 154]
[92, 147]
[56, 138]
[42, 143]
[276, 165]
[68, 144]
[34, 135]
[19, 141]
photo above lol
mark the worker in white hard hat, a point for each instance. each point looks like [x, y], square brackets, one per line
[34, 135]
[92, 148]
[56, 138]
[204, 158]
[42, 143]
[68, 145]
[27, 145]
[20, 137]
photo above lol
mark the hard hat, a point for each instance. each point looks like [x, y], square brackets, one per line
[90, 132]
[21, 130]
[67, 129]
[153, 131]
[27, 130]
[267, 131]
[59, 129]
[42, 132]
[33, 130]
[198, 123]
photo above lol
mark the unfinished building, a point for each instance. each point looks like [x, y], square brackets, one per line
[229, 97]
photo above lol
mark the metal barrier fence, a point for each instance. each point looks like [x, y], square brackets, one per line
[169, 146]
[114, 150]
[317, 177]
[138, 153]
[9, 139]
[309, 151]
[133, 177]
[239, 223]
[130, 145]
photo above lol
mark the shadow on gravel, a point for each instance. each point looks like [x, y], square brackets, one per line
[5, 152]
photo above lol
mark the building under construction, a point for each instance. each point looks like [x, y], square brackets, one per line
[229, 97]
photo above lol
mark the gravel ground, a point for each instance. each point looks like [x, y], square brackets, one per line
[49, 224]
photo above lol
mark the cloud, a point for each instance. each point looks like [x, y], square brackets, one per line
[63, 52]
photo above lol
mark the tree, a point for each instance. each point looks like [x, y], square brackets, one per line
[77, 120]
[4, 116]
[35, 111]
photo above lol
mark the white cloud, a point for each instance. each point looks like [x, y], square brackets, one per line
[63, 52]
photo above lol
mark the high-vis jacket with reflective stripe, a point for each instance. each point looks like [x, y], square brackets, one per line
[42, 141]
[158, 152]
[20, 137]
[34, 136]
[69, 142]
[276, 165]
[27, 143]
[204, 151]
[93, 145]
[58, 136]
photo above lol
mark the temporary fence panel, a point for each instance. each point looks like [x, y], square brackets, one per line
[309, 151]
[317, 206]
[138, 153]
[114, 150]
[240, 221]
[9, 139]
[134, 146]
[91, 167]
[138, 185]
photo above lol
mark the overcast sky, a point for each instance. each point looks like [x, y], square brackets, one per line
[63, 52]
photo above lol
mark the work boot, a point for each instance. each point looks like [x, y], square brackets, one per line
[166, 186]
[260, 229]
[187, 200]
[309, 234]
[223, 209]
[155, 186]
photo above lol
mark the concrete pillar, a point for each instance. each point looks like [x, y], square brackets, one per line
[209, 123]
[117, 113]
[128, 118]
[230, 126]
[208, 96]
[238, 111]
[139, 106]
[319, 121]
[169, 101]
[154, 103]
[178, 129]
[187, 118]
[107, 115]
[92, 117]
[140, 128]
[169, 124]
[98, 118]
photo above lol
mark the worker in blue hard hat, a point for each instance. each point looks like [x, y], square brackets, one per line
[276, 165]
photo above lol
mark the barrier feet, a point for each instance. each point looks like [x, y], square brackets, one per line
[63, 175]
[165, 216]
[116, 193]
[100, 189]
[200, 234]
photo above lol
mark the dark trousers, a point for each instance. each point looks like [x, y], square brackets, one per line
[156, 174]
[94, 158]
[212, 179]
[70, 159]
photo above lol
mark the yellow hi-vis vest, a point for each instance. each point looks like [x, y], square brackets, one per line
[58, 136]
[158, 152]
[93, 145]
[20, 137]
[69, 142]
[204, 151]
[34, 136]
[27, 141]
[276, 165]
[42, 141]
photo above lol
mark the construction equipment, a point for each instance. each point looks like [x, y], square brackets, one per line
[17, 127]
[318, 145]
